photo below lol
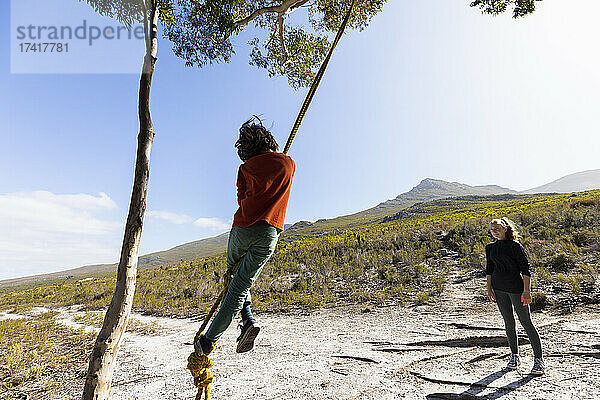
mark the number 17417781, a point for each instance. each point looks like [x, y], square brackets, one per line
[44, 47]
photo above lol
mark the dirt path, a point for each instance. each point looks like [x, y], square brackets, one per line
[347, 353]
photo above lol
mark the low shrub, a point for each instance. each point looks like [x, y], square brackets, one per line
[561, 262]
[539, 301]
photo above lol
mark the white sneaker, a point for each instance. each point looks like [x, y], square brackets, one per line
[538, 367]
[514, 362]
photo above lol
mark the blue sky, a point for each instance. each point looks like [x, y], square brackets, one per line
[430, 89]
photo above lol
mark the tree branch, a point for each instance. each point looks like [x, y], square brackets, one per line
[272, 34]
[296, 6]
[284, 8]
[146, 33]
[283, 49]
[256, 14]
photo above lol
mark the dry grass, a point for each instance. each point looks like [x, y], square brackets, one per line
[38, 356]
[394, 261]
[95, 319]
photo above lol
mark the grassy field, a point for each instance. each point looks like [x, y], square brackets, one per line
[379, 263]
[39, 355]
[399, 261]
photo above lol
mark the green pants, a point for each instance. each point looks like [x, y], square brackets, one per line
[254, 245]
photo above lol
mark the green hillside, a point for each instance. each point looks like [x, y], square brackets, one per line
[187, 251]
[427, 189]
[402, 260]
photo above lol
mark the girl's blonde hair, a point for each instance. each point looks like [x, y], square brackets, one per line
[512, 232]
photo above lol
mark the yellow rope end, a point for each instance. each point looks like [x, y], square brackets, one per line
[199, 367]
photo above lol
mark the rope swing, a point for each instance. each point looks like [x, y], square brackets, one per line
[199, 365]
[316, 81]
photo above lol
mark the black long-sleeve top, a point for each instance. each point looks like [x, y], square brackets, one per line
[506, 263]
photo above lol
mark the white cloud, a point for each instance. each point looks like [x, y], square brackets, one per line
[178, 219]
[51, 213]
[42, 231]
[212, 223]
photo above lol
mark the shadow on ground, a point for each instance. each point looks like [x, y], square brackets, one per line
[475, 389]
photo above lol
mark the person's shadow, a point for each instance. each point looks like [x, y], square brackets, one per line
[476, 388]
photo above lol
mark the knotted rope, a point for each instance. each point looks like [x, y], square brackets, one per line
[199, 367]
[199, 364]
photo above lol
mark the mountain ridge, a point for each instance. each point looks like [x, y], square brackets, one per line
[427, 189]
[576, 182]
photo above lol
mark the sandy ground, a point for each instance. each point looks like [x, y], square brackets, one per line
[362, 353]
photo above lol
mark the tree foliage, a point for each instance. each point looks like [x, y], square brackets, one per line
[204, 31]
[129, 12]
[520, 8]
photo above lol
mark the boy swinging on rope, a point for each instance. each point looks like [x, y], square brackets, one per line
[263, 189]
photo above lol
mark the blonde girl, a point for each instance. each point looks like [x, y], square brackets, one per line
[509, 286]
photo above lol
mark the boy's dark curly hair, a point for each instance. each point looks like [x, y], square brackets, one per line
[254, 139]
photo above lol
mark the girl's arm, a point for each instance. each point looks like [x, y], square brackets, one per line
[526, 296]
[521, 258]
[523, 263]
[490, 292]
[489, 267]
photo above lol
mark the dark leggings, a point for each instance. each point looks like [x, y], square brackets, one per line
[506, 302]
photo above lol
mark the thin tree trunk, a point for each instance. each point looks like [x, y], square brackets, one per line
[102, 361]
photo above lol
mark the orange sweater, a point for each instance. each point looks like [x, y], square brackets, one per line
[263, 189]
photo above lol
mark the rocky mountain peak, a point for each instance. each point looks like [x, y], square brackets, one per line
[428, 184]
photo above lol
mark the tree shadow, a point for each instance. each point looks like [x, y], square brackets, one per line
[474, 390]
